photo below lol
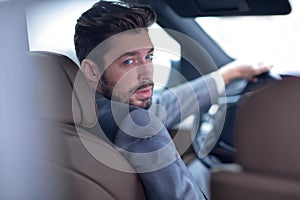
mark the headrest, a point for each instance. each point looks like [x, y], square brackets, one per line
[268, 129]
[62, 92]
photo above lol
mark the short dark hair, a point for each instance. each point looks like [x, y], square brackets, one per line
[106, 19]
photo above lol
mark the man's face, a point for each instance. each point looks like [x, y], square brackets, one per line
[128, 77]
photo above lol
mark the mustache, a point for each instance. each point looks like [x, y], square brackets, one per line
[142, 85]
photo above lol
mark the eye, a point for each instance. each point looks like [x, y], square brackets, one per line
[128, 62]
[150, 57]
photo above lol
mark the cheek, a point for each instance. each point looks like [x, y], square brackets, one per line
[152, 70]
[126, 81]
[123, 79]
[113, 75]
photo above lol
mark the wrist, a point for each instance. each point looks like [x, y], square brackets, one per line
[226, 75]
[229, 74]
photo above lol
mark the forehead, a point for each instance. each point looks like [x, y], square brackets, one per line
[126, 42]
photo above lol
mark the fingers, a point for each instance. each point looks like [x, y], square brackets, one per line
[261, 68]
[250, 71]
[237, 69]
[255, 69]
[254, 80]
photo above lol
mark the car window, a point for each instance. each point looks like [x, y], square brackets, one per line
[51, 26]
[274, 39]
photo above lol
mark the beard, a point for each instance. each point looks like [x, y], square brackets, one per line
[110, 92]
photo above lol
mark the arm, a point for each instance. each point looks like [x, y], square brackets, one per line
[184, 100]
[145, 143]
[189, 98]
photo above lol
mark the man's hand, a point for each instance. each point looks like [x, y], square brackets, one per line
[237, 69]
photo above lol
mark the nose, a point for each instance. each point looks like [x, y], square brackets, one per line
[145, 71]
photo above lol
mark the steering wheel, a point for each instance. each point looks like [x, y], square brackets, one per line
[216, 125]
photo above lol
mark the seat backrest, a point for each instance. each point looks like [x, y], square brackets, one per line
[58, 164]
[267, 138]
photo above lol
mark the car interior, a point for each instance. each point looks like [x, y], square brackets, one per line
[265, 171]
[49, 147]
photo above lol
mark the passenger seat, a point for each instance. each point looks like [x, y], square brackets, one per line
[267, 138]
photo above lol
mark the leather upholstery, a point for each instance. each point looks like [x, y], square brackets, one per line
[268, 128]
[64, 168]
[63, 94]
[267, 138]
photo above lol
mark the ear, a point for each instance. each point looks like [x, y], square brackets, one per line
[90, 70]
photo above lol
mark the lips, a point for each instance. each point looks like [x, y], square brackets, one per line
[144, 92]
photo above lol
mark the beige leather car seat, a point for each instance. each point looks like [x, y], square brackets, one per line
[57, 165]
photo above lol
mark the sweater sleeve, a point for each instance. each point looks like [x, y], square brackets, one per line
[177, 103]
[144, 141]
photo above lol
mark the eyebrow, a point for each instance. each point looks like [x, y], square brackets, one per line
[133, 53]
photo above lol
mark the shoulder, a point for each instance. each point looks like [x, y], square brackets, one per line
[141, 123]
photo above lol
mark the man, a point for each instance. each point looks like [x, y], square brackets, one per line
[115, 51]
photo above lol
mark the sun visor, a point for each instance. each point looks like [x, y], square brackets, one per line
[197, 8]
